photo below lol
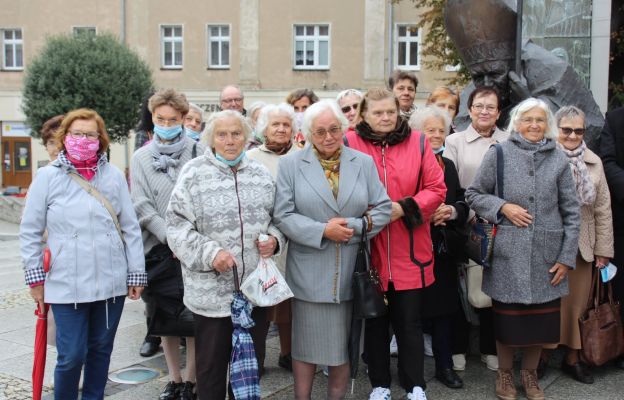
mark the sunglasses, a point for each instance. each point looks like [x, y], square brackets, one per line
[346, 109]
[568, 131]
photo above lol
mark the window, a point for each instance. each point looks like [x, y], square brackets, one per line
[12, 49]
[311, 47]
[172, 44]
[84, 30]
[408, 47]
[219, 46]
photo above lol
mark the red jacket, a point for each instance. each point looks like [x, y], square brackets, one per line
[398, 166]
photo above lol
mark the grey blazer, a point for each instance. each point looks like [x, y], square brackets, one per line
[318, 269]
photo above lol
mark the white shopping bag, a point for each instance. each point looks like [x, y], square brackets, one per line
[265, 286]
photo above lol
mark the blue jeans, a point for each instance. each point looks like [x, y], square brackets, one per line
[84, 337]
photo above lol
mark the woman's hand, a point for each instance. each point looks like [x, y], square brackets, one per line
[36, 292]
[336, 230]
[559, 271]
[397, 211]
[517, 215]
[267, 248]
[223, 262]
[134, 292]
[601, 261]
[441, 215]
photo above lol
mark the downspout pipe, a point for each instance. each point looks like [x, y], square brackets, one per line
[390, 14]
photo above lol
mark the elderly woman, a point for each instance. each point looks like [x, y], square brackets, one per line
[348, 101]
[275, 124]
[402, 252]
[155, 169]
[596, 233]
[536, 242]
[446, 99]
[466, 150]
[324, 194]
[448, 222]
[193, 121]
[252, 117]
[220, 205]
[97, 254]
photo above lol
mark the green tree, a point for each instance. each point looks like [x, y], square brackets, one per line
[91, 71]
[437, 48]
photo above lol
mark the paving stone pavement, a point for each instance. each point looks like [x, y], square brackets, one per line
[17, 337]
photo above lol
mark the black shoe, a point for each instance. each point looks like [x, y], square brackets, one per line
[148, 349]
[578, 371]
[449, 378]
[285, 362]
[619, 362]
[187, 391]
[171, 391]
[542, 366]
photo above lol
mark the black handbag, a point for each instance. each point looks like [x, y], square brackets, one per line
[166, 313]
[369, 300]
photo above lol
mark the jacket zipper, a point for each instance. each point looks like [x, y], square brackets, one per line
[95, 258]
[240, 218]
[75, 236]
[383, 163]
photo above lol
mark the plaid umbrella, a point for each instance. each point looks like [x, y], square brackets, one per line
[244, 376]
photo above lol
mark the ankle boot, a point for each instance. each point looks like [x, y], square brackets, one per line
[531, 384]
[505, 387]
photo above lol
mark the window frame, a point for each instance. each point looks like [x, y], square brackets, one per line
[316, 39]
[75, 27]
[406, 39]
[13, 42]
[220, 40]
[173, 40]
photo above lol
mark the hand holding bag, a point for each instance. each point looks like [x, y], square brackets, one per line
[369, 300]
[601, 326]
[266, 286]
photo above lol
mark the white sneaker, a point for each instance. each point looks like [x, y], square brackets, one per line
[491, 361]
[459, 362]
[417, 394]
[428, 345]
[394, 347]
[380, 393]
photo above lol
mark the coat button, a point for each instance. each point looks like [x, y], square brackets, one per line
[531, 199]
[530, 173]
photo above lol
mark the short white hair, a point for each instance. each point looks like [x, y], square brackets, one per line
[316, 109]
[255, 106]
[422, 115]
[518, 111]
[348, 92]
[274, 110]
[198, 109]
[207, 136]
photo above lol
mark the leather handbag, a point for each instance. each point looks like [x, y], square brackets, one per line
[369, 300]
[602, 337]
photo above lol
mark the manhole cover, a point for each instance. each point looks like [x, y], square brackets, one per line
[134, 376]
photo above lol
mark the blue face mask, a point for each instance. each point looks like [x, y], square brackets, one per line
[440, 150]
[167, 133]
[231, 163]
[192, 134]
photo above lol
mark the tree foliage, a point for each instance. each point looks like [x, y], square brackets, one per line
[437, 49]
[90, 71]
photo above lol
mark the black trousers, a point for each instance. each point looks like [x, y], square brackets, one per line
[618, 279]
[404, 313]
[461, 332]
[213, 348]
[441, 341]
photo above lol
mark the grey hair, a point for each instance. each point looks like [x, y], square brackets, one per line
[569, 112]
[230, 86]
[255, 106]
[348, 92]
[518, 111]
[421, 115]
[317, 109]
[207, 136]
[272, 110]
[198, 109]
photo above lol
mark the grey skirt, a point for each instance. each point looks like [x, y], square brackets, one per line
[320, 332]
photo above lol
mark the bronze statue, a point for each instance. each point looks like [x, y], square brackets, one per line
[484, 33]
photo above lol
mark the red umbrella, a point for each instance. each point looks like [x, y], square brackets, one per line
[41, 339]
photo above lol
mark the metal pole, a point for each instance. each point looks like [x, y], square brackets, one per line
[518, 65]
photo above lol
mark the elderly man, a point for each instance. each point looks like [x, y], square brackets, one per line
[231, 98]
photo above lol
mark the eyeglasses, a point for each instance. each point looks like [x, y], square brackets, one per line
[346, 109]
[171, 121]
[531, 120]
[236, 100]
[480, 107]
[222, 136]
[88, 135]
[333, 131]
[568, 131]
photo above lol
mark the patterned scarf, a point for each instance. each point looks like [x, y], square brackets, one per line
[331, 168]
[585, 188]
[86, 168]
[166, 156]
[400, 133]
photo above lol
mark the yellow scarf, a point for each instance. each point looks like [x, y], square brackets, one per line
[331, 168]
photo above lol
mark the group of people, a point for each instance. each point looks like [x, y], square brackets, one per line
[314, 176]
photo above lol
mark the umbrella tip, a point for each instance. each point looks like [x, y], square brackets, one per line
[352, 384]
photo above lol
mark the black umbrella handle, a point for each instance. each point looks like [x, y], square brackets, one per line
[236, 282]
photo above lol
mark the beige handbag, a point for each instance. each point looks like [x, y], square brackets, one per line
[474, 277]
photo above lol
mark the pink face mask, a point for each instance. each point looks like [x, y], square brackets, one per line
[81, 149]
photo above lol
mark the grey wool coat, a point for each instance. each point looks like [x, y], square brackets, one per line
[538, 179]
[318, 269]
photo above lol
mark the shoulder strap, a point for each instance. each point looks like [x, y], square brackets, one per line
[422, 155]
[500, 170]
[194, 151]
[89, 188]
